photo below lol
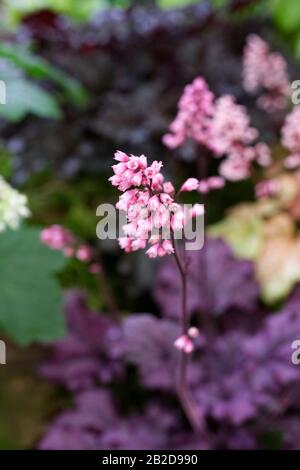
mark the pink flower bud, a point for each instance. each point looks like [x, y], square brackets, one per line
[166, 199]
[180, 342]
[193, 332]
[84, 253]
[152, 252]
[189, 347]
[133, 163]
[216, 182]
[157, 182]
[191, 184]
[154, 203]
[56, 237]
[167, 247]
[119, 168]
[168, 188]
[183, 343]
[203, 187]
[121, 156]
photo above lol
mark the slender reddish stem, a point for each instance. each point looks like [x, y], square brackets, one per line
[188, 405]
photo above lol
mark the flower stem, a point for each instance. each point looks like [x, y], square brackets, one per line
[188, 405]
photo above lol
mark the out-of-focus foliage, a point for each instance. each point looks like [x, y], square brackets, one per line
[174, 3]
[6, 166]
[134, 64]
[22, 417]
[266, 232]
[23, 95]
[31, 299]
[77, 9]
[243, 381]
[226, 293]
[38, 68]
[242, 228]
[286, 16]
[131, 83]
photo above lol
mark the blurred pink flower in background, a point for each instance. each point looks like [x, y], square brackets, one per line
[266, 71]
[57, 237]
[231, 129]
[290, 137]
[195, 109]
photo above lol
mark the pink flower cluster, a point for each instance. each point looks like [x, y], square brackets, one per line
[149, 203]
[222, 126]
[231, 135]
[195, 109]
[239, 167]
[185, 343]
[231, 131]
[265, 70]
[290, 138]
[58, 238]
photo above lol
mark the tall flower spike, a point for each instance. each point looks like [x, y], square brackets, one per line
[233, 137]
[150, 205]
[195, 109]
[231, 131]
[266, 71]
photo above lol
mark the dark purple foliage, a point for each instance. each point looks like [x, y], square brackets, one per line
[243, 382]
[134, 64]
[95, 423]
[149, 345]
[243, 376]
[290, 432]
[79, 428]
[92, 351]
[230, 280]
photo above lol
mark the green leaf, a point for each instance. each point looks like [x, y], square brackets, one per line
[286, 14]
[78, 10]
[6, 168]
[174, 3]
[30, 297]
[23, 97]
[243, 234]
[38, 68]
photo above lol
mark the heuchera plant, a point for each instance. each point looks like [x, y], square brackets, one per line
[223, 127]
[239, 373]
